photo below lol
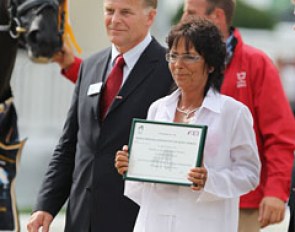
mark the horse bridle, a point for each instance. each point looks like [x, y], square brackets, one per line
[15, 27]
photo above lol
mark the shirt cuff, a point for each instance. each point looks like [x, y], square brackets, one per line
[71, 73]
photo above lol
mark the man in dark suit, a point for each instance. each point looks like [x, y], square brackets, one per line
[82, 168]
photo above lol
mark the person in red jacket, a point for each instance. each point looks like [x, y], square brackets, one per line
[251, 78]
[291, 202]
[68, 63]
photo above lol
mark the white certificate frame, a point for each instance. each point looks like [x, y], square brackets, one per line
[161, 152]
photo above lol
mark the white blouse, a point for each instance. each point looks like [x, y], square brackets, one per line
[232, 162]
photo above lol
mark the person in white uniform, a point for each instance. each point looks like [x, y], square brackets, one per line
[231, 163]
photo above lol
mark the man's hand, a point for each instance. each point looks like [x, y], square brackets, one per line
[39, 219]
[65, 57]
[271, 211]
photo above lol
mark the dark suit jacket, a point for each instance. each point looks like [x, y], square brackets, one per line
[82, 168]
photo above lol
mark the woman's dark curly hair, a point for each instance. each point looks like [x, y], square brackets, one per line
[207, 40]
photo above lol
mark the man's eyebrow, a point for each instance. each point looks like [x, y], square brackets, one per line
[126, 9]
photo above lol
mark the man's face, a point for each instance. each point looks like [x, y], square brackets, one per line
[196, 8]
[202, 9]
[127, 22]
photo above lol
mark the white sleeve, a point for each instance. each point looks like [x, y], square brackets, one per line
[243, 174]
[134, 191]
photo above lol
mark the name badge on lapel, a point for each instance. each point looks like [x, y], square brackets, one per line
[94, 89]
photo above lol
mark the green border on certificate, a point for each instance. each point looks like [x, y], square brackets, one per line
[162, 152]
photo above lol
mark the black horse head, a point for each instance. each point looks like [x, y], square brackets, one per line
[39, 19]
[39, 25]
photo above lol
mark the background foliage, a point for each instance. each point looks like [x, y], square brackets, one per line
[248, 16]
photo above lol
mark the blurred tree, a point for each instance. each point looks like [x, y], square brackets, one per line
[280, 6]
[249, 17]
[178, 15]
[245, 16]
[283, 9]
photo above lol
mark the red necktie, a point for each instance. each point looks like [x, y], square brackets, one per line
[112, 86]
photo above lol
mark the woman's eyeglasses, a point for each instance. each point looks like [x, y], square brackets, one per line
[185, 58]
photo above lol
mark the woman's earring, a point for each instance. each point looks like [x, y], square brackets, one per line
[211, 70]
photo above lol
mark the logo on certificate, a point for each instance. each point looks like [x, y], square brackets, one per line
[193, 133]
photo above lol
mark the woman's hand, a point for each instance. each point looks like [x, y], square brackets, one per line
[198, 176]
[121, 160]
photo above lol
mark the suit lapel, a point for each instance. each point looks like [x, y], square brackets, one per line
[140, 73]
[100, 69]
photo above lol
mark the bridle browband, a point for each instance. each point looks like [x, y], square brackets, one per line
[41, 4]
[15, 27]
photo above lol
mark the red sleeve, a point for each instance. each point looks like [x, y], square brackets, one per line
[277, 128]
[253, 79]
[71, 73]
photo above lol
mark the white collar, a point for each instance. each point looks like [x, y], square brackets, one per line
[133, 54]
[211, 101]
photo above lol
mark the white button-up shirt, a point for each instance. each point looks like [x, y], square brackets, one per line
[231, 158]
[130, 57]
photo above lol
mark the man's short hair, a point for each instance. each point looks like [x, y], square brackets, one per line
[228, 6]
[151, 3]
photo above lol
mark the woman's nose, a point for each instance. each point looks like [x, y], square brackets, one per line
[178, 62]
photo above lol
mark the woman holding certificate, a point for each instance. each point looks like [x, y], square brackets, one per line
[231, 166]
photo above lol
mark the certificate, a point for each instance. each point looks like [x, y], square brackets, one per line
[162, 152]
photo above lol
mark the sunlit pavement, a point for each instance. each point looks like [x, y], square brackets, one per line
[58, 224]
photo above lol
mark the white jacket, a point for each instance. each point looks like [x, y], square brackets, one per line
[231, 158]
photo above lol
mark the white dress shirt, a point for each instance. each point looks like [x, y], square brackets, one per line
[130, 57]
[230, 157]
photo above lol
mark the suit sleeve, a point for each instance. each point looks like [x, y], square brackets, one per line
[58, 179]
